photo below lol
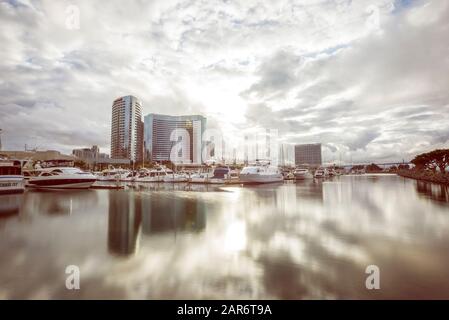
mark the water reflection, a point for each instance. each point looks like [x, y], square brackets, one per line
[432, 191]
[162, 214]
[10, 205]
[132, 212]
[310, 239]
[125, 217]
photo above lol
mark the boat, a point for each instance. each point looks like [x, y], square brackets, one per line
[171, 176]
[260, 173]
[151, 175]
[11, 177]
[113, 175]
[200, 177]
[302, 174]
[220, 175]
[62, 178]
[321, 173]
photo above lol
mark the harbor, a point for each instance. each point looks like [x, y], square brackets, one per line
[309, 239]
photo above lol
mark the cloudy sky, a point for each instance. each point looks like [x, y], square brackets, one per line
[368, 79]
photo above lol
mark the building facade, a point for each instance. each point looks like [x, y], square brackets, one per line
[89, 154]
[127, 129]
[308, 154]
[162, 133]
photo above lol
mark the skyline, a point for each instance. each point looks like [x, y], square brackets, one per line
[368, 80]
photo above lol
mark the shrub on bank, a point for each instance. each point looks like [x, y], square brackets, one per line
[425, 175]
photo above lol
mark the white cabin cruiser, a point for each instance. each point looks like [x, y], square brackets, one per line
[11, 177]
[321, 173]
[150, 175]
[220, 175]
[200, 177]
[260, 174]
[170, 176]
[63, 178]
[302, 174]
[113, 175]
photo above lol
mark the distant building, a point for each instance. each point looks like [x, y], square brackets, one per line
[309, 154]
[158, 137]
[90, 154]
[127, 129]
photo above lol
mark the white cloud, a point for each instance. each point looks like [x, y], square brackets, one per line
[367, 78]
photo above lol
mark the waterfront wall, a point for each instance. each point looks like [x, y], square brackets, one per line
[428, 176]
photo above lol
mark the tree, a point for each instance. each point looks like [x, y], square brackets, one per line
[373, 168]
[431, 160]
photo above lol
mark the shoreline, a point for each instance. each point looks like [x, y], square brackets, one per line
[426, 176]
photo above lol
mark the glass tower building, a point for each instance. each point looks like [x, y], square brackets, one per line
[127, 129]
[161, 136]
[309, 154]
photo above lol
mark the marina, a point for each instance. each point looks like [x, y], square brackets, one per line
[305, 239]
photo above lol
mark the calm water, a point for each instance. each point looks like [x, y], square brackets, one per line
[302, 240]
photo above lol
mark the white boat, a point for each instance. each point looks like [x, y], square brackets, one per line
[150, 175]
[321, 173]
[62, 178]
[11, 177]
[260, 174]
[302, 174]
[200, 177]
[113, 175]
[220, 175]
[171, 176]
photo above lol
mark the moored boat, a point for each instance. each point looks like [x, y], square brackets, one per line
[258, 174]
[302, 174]
[11, 177]
[62, 178]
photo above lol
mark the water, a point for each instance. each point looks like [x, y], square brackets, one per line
[304, 240]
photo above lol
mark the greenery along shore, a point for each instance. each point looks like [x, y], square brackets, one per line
[431, 166]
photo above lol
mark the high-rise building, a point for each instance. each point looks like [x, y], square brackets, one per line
[89, 153]
[127, 129]
[309, 154]
[162, 133]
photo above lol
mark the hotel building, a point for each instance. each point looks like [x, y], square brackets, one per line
[127, 129]
[159, 139]
[309, 154]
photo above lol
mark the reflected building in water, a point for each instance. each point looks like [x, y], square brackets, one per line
[129, 213]
[168, 214]
[125, 217]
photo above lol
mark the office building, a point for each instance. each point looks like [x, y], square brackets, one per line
[162, 133]
[308, 154]
[89, 154]
[127, 129]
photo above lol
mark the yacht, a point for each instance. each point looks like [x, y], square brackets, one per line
[62, 178]
[150, 175]
[200, 177]
[113, 175]
[171, 176]
[220, 175]
[260, 174]
[11, 177]
[302, 174]
[321, 173]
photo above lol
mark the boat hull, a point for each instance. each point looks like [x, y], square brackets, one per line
[62, 183]
[12, 184]
[303, 176]
[260, 179]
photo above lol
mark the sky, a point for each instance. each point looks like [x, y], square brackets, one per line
[367, 79]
